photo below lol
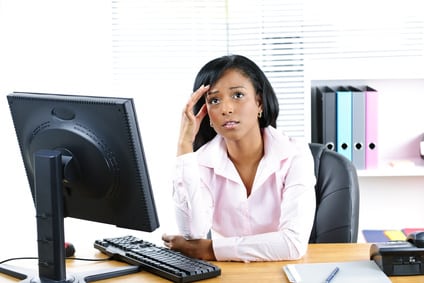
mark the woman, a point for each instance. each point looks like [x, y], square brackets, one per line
[237, 175]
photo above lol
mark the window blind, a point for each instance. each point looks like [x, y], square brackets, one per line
[169, 41]
[165, 41]
[270, 33]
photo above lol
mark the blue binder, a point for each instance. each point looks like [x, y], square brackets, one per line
[375, 236]
[344, 122]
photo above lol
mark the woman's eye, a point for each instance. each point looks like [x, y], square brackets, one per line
[238, 95]
[213, 101]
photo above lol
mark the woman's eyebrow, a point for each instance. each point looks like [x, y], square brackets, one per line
[236, 87]
[217, 91]
[212, 92]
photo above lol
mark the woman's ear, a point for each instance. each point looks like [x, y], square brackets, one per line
[259, 102]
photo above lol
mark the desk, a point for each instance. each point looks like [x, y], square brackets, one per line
[235, 272]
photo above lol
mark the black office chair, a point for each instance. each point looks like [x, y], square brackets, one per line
[337, 194]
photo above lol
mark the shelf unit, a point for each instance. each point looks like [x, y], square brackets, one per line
[391, 196]
[400, 124]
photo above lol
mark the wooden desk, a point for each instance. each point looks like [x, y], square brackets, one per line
[235, 272]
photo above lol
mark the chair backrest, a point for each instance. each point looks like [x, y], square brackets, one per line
[337, 195]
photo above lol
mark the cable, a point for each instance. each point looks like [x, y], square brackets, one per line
[17, 258]
[68, 258]
[89, 259]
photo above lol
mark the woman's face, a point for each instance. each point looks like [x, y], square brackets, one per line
[233, 106]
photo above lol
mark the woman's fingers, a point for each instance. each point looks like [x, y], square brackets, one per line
[202, 113]
[194, 99]
[190, 122]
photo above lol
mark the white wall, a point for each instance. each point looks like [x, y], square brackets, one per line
[392, 202]
[65, 47]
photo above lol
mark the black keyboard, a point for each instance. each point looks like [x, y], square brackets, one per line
[161, 261]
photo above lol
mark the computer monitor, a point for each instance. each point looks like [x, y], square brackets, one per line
[84, 158]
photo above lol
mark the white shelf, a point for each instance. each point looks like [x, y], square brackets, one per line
[413, 167]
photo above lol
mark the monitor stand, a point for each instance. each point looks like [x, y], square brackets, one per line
[48, 197]
[31, 276]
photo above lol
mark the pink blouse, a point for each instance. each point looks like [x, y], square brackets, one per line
[273, 223]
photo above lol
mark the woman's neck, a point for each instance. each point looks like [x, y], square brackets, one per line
[245, 153]
[246, 156]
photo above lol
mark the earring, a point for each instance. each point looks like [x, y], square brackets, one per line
[260, 114]
[210, 123]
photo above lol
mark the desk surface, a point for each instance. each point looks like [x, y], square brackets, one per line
[247, 272]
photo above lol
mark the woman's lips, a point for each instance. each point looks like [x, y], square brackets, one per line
[230, 124]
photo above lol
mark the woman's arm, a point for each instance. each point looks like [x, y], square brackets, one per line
[193, 206]
[199, 248]
[192, 199]
[190, 122]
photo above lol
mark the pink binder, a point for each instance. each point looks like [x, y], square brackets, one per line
[371, 128]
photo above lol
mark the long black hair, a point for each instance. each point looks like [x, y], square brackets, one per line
[212, 72]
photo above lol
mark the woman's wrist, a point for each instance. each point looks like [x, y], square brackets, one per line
[184, 147]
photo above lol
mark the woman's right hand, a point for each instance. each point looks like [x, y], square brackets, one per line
[197, 248]
[190, 122]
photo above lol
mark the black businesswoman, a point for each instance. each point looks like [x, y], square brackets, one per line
[238, 176]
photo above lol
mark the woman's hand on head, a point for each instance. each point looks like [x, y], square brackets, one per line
[190, 122]
[198, 248]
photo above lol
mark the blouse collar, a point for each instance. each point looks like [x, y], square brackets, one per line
[277, 148]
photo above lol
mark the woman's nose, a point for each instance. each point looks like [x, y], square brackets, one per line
[227, 108]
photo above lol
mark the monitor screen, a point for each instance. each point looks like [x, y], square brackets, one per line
[103, 173]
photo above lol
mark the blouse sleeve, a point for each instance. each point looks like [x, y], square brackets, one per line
[193, 201]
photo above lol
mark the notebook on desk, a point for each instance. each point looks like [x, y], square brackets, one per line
[349, 272]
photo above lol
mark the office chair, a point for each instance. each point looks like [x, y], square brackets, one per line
[337, 196]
